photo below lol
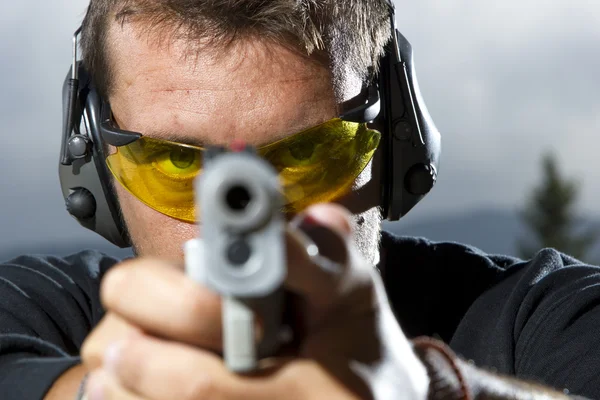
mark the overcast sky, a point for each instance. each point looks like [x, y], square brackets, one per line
[504, 81]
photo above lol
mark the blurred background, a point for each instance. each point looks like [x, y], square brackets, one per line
[513, 86]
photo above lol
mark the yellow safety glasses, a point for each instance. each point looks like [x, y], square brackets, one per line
[316, 165]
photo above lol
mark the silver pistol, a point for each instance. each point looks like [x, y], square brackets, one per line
[241, 252]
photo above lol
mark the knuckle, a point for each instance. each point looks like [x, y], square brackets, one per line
[334, 216]
[114, 283]
[90, 354]
[289, 387]
[203, 321]
[194, 300]
[132, 364]
[93, 347]
[294, 390]
[201, 387]
[199, 301]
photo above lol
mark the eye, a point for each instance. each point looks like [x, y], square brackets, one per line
[182, 158]
[178, 162]
[297, 155]
[302, 151]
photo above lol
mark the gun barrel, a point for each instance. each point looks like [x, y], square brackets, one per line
[242, 251]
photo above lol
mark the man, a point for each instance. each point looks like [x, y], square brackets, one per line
[213, 72]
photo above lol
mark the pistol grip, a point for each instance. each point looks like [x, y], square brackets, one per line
[240, 348]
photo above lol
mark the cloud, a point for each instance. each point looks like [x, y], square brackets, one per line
[35, 48]
[504, 81]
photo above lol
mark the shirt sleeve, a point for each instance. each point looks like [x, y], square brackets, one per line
[541, 323]
[557, 326]
[537, 320]
[48, 305]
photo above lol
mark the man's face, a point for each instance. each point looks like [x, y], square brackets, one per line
[253, 92]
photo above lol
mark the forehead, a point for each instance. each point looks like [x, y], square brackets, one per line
[252, 90]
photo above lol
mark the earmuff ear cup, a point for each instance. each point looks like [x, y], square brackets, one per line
[411, 142]
[81, 204]
[85, 182]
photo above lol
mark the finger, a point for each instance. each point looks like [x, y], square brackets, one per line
[318, 252]
[161, 370]
[333, 216]
[162, 301]
[101, 385]
[110, 329]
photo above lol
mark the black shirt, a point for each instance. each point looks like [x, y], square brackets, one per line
[537, 320]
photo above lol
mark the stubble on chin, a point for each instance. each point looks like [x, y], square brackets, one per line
[367, 234]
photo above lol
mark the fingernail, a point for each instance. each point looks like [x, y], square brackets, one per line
[309, 221]
[94, 388]
[304, 222]
[112, 355]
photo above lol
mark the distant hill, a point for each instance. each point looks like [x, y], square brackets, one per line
[493, 231]
[64, 249]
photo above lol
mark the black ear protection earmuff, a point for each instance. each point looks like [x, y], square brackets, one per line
[410, 146]
[412, 143]
[84, 177]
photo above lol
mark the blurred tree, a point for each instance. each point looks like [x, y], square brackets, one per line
[550, 215]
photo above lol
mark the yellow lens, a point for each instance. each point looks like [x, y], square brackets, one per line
[160, 174]
[322, 163]
[316, 165]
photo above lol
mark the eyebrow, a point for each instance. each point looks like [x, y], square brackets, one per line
[201, 141]
[171, 136]
[198, 141]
